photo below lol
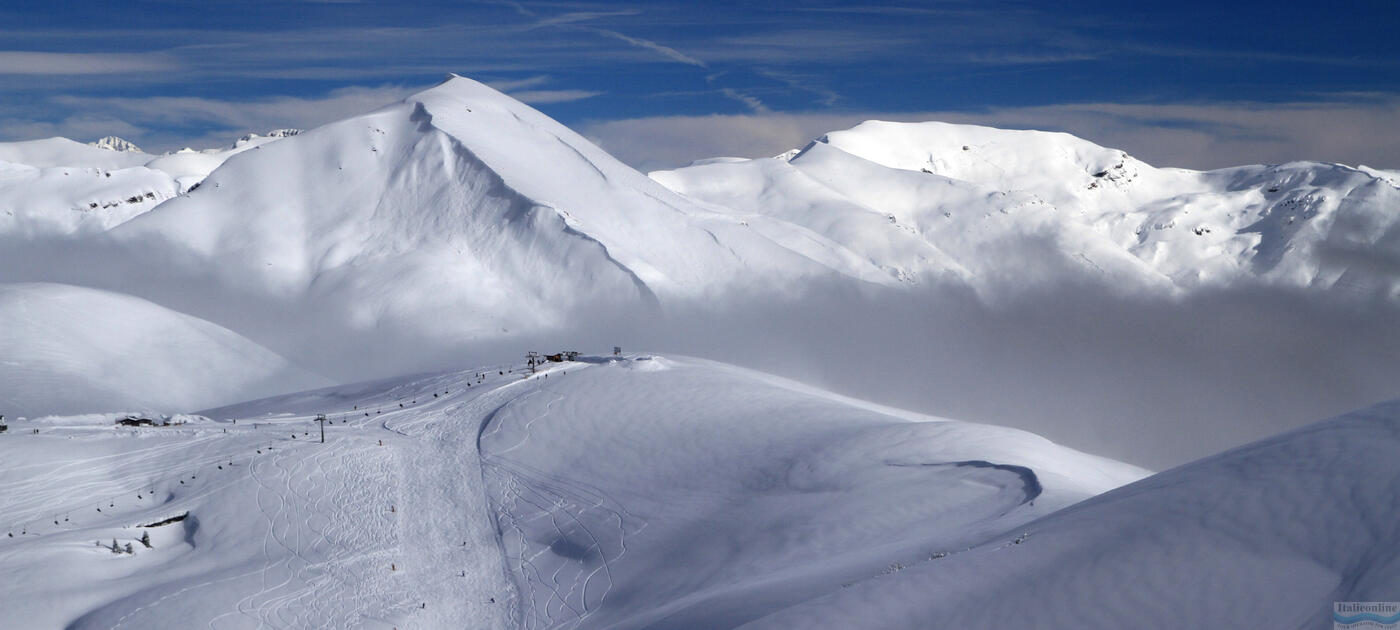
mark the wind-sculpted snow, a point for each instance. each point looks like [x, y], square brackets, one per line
[1265, 536]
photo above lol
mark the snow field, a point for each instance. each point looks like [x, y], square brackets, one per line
[593, 494]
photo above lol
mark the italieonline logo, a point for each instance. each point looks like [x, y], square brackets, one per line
[1366, 615]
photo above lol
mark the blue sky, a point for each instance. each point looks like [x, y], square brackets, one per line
[1197, 84]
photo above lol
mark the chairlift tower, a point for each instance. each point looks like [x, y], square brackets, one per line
[321, 419]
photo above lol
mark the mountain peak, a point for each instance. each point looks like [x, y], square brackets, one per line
[113, 143]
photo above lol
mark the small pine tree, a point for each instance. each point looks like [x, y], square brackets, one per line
[114, 547]
[128, 548]
[146, 539]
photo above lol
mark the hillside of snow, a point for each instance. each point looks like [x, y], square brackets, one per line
[1264, 536]
[639, 491]
[66, 349]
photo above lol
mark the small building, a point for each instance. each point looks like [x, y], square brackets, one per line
[133, 421]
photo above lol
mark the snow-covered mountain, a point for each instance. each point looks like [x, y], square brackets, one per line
[938, 201]
[638, 491]
[114, 143]
[462, 200]
[514, 220]
[458, 204]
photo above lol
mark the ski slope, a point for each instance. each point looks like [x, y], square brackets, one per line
[624, 492]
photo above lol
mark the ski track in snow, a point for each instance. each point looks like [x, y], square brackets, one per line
[559, 591]
[351, 534]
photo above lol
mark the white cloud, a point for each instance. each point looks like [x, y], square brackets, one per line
[47, 63]
[506, 85]
[552, 96]
[751, 102]
[518, 89]
[582, 16]
[664, 51]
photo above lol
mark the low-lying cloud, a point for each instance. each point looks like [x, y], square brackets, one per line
[1151, 379]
